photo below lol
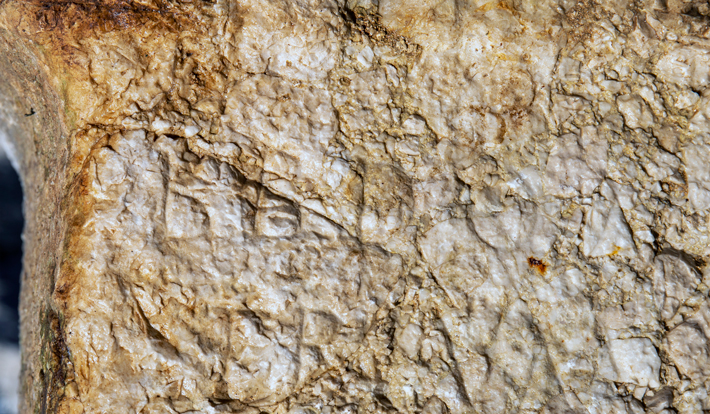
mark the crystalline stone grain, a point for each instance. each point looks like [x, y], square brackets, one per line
[377, 206]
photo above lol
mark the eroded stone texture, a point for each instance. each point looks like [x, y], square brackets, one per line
[395, 206]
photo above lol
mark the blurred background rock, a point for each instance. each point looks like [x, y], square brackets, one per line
[11, 223]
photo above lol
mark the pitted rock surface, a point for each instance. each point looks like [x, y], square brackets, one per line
[330, 206]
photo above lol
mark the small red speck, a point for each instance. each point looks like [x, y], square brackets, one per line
[539, 265]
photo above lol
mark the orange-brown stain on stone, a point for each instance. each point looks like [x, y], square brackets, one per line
[500, 5]
[60, 27]
[78, 208]
[538, 265]
[91, 16]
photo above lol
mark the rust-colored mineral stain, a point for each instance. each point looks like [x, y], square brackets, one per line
[539, 265]
[59, 24]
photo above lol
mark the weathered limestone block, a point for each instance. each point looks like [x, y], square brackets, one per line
[340, 206]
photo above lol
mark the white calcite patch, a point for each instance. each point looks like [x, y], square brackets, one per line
[688, 349]
[633, 361]
[698, 171]
[606, 231]
[576, 164]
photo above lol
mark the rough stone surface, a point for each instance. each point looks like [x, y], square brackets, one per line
[331, 206]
